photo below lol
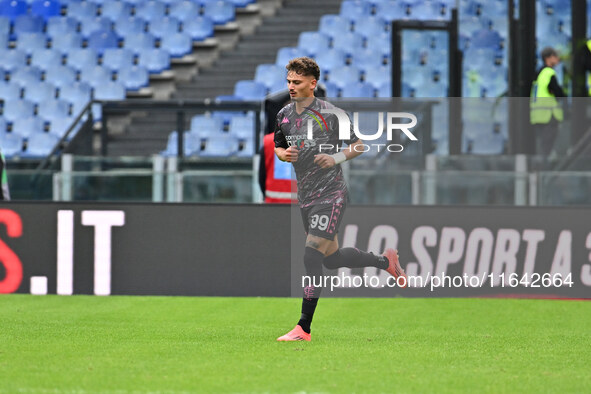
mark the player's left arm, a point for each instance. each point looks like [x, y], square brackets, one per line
[327, 161]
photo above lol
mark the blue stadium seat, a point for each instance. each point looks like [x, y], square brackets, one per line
[385, 90]
[313, 42]
[96, 76]
[348, 42]
[139, 42]
[60, 25]
[204, 125]
[82, 10]
[178, 45]
[80, 58]
[10, 91]
[18, 109]
[358, 90]
[344, 75]
[26, 76]
[165, 26]
[220, 12]
[333, 25]
[242, 127]
[12, 59]
[40, 145]
[426, 10]
[126, 25]
[60, 75]
[4, 26]
[285, 54]
[25, 127]
[91, 25]
[12, 144]
[46, 8]
[30, 42]
[46, 58]
[184, 10]
[332, 90]
[103, 39]
[377, 76]
[134, 77]
[271, 75]
[354, 8]
[78, 95]
[333, 58]
[172, 145]
[199, 28]
[485, 39]
[245, 148]
[13, 8]
[150, 10]
[53, 109]
[114, 9]
[155, 60]
[370, 27]
[250, 90]
[367, 58]
[60, 126]
[219, 145]
[391, 10]
[66, 42]
[108, 90]
[117, 58]
[39, 92]
[28, 24]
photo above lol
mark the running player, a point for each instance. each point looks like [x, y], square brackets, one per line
[322, 192]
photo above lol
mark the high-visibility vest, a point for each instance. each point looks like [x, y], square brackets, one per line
[279, 185]
[589, 74]
[542, 103]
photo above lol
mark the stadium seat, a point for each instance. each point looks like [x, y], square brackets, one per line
[58, 25]
[250, 90]
[357, 90]
[139, 42]
[60, 75]
[13, 8]
[126, 25]
[426, 10]
[29, 42]
[333, 25]
[379, 75]
[333, 58]
[154, 60]
[220, 12]
[114, 9]
[150, 10]
[96, 24]
[66, 42]
[12, 144]
[199, 28]
[53, 109]
[109, 91]
[313, 42]
[189, 146]
[78, 95]
[117, 58]
[26, 76]
[25, 127]
[285, 54]
[46, 8]
[10, 91]
[369, 27]
[178, 44]
[184, 10]
[82, 10]
[344, 75]
[242, 127]
[18, 109]
[4, 26]
[96, 75]
[28, 24]
[59, 127]
[102, 39]
[46, 58]
[204, 125]
[271, 75]
[39, 92]
[485, 39]
[355, 8]
[80, 58]
[391, 10]
[133, 77]
[219, 145]
[12, 59]
[40, 145]
[367, 58]
[165, 26]
[385, 90]
[332, 90]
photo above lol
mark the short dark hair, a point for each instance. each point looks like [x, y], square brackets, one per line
[548, 52]
[304, 66]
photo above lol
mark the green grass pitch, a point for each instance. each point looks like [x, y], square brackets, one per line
[83, 344]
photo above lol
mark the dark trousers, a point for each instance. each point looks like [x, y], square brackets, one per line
[546, 136]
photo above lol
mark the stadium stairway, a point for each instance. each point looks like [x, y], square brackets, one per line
[146, 134]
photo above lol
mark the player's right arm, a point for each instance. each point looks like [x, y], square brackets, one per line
[282, 149]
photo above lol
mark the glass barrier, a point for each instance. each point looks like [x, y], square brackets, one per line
[473, 188]
[217, 186]
[30, 184]
[367, 188]
[564, 188]
[129, 186]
